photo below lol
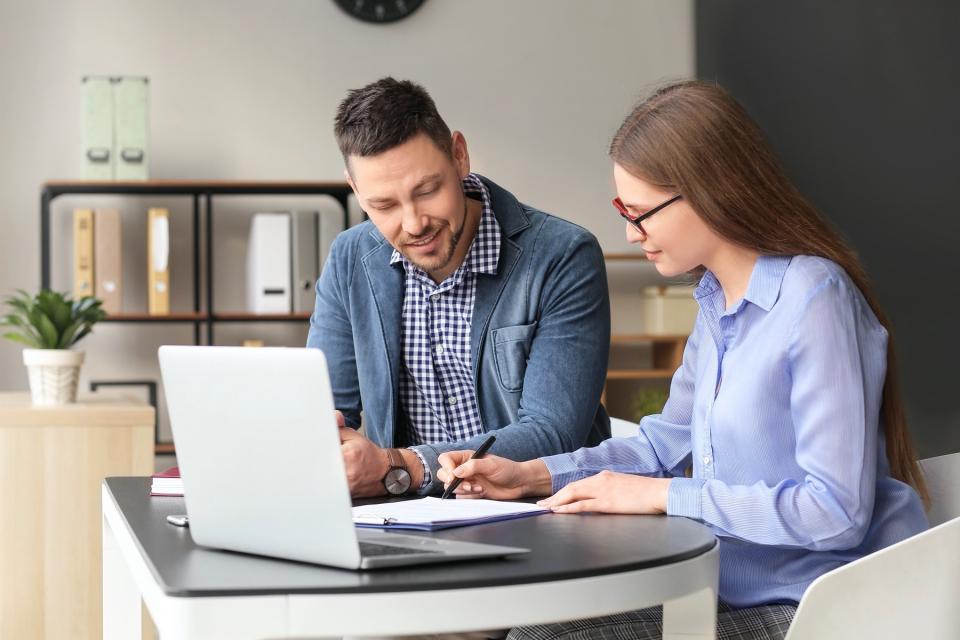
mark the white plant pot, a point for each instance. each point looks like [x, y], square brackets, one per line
[53, 374]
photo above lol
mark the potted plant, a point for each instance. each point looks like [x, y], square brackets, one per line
[647, 401]
[49, 324]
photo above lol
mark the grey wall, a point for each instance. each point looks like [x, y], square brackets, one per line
[861, 98]
[246, 89]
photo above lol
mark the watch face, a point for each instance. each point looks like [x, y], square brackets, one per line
[379, 10]
[397, 481]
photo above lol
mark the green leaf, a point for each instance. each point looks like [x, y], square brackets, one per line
[82, 334]
[84, 303]
[47, 331]
[62, 315]
[22, 339]
[23, 306]
[13, 319]
[26, 328]
[50, 319]
[67, 337]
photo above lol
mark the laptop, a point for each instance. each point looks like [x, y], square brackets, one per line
[259, 453]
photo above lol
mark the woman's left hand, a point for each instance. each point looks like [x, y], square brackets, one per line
[609, 492]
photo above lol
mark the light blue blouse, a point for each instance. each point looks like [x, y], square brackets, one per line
[777, 406]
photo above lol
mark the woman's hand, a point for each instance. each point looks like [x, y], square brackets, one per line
[494, 477]
[609, 492]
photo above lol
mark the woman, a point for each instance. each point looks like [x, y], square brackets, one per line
[786, 405]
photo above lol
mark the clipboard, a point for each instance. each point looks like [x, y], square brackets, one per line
[434, 514]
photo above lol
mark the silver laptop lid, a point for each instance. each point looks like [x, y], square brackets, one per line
[259, 452]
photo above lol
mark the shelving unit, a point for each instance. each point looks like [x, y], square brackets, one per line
[666, 349]
[202, 316]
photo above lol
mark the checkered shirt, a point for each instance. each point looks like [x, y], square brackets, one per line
[437, 393]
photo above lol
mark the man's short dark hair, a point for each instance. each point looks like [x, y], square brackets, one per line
[385, 114]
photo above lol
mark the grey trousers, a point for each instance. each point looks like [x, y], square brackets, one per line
[767, 622]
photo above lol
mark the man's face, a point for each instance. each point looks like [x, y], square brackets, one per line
[414, 196]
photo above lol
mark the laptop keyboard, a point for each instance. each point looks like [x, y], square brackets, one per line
[372, 549]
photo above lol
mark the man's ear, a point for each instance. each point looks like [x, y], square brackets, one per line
[349, 179]
[461, 157]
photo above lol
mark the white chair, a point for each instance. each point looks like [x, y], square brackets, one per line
[908, 590]
[943, 480]
[620, 428]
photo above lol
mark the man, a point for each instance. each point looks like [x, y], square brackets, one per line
[455, 311]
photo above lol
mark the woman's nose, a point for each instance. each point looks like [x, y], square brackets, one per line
[634, 235]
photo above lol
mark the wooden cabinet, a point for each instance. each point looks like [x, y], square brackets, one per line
[52, 461]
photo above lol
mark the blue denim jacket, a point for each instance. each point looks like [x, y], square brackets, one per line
[540, 336]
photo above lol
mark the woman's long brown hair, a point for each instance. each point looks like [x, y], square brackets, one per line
[695, 139]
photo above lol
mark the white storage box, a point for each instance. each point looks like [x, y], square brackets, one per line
[669, 310]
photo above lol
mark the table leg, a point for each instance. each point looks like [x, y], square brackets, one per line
[691, 617]
[121, 597]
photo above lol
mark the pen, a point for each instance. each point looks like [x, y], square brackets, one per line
[482, 449]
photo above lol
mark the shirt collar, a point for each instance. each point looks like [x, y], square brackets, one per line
[763, 288]
[484, 253]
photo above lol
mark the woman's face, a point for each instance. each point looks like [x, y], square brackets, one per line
[676, 239]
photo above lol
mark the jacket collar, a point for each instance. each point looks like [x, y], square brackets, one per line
[386, 284]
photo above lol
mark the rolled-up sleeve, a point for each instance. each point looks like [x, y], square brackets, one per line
[661, 446]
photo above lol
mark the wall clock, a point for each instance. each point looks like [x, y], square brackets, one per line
[379, 11]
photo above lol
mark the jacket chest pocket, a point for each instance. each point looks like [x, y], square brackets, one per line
[512, 348]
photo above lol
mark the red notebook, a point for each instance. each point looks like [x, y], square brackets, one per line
[167, 483]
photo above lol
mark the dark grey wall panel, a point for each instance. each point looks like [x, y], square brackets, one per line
[861, 99]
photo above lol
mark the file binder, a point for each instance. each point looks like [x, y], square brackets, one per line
[130, 128]
[313, 233]
[108, 258]
[97, 128]
[331, 225]
[268, 264]
[303, 246]
[83, 253]
[158, 262]
[167, 483]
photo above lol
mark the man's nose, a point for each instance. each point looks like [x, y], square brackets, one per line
[414, 223]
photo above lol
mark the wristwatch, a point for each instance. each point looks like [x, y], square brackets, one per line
[397, 480]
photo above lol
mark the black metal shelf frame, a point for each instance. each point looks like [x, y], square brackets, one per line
[197, 191]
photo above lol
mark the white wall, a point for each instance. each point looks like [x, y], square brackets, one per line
[247, 89]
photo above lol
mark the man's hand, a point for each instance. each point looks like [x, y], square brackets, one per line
[609, 492]
[366, 464]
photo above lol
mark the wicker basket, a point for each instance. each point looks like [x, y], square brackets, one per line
[53, 375]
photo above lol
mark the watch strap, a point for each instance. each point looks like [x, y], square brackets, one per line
[396, 459]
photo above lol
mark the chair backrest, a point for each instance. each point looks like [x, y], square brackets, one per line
[620, 428]
[910, 589]
[943, 481]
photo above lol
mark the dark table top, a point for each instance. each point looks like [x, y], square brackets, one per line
[562, 547]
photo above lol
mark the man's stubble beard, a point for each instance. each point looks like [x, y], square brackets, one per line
[442, 261]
